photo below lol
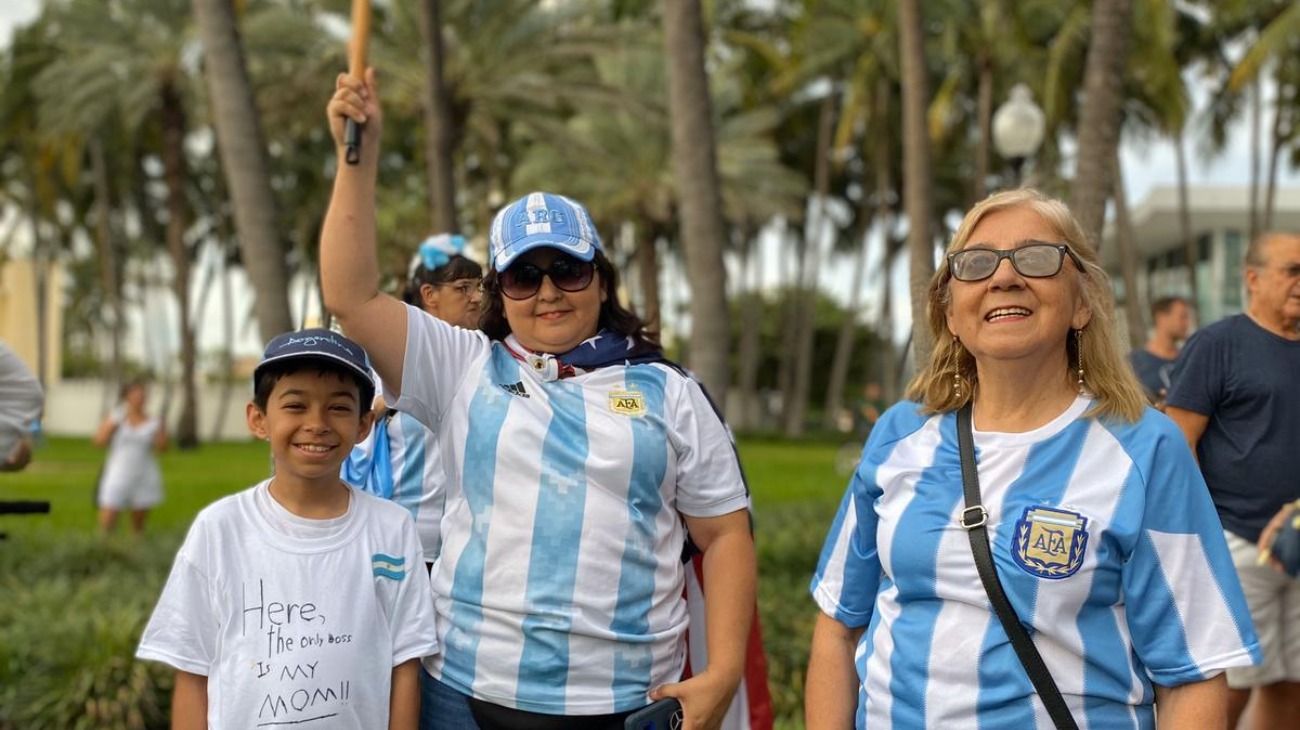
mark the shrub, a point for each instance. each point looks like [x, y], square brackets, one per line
[73, 611]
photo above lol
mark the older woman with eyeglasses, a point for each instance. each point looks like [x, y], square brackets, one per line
[1025, 544]
[578, 462]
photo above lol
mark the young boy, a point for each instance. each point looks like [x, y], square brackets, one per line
[301, 601]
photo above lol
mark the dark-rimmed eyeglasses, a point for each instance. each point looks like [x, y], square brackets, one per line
[523, 280]
[464, 287]
[1036, 260]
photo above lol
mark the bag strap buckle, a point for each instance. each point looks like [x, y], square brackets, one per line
[973, 516]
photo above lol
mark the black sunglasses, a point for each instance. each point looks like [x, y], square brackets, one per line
[1037, 260]
[523, 280]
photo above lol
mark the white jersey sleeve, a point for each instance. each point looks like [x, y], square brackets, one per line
[182, 632]
[709, 480]
[20, 398]
[414, 631]
[1186, 612]
[849, 571]
[438, 356]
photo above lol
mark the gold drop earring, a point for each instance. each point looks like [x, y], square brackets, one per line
[956, 368]
[1078, 350]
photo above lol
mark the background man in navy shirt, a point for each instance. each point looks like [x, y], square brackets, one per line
[1235, 396]
[1171, 319]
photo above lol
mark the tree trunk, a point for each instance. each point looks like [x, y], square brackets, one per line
[796, 410]
[1190, 249]
[1128, 258]
[984, 109]
[1256, 139]
[751, 324]
[108, 260]
[227, 350]
[917, 188]
[647, 265]
[849, 326]
[1100, 114]
[174, 172]
[243, 157]
[41, 272]
[438, 124]
[790, 308]
[885, 219]
[699, 195]
[1277, 142]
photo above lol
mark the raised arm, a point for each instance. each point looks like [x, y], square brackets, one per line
[104, 434]
[349, 265]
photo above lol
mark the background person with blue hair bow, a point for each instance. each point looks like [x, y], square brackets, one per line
[401, 459]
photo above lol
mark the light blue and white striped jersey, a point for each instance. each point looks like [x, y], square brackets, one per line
[559, 587]
[404, 464]
[1105, 541]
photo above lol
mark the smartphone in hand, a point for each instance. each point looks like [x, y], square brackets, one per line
[661, 715]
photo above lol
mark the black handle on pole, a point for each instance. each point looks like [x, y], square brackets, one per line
[352, 138]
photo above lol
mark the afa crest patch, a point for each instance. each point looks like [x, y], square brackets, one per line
[1049, 542]
[627, 402]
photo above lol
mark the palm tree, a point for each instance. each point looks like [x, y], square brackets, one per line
[124, 58]
[507, 64]
[617, 159]
[917, 191]
[109, 260]
[243, 157]
[698, 193]
[1099, 117]
[877, 152]
[1128, 258]
[45, 179]
[438, 122]
[1279, 27]
[797, 404]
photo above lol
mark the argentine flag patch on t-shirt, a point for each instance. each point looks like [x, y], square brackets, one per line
[387, 566]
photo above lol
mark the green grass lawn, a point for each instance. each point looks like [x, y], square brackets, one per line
[75, 603]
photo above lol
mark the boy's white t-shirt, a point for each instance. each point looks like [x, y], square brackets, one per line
[295, 621]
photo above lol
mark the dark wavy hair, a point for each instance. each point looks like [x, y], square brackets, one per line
[457, 268]
[613, 315]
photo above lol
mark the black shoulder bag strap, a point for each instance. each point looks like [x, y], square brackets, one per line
[973, 519]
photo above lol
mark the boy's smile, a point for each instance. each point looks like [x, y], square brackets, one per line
[312, 421]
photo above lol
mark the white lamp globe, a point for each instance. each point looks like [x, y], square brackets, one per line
[1018, 125]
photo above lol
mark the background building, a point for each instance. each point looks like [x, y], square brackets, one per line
[1220, 221]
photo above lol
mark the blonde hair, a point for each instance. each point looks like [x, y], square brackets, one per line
[1108, 376]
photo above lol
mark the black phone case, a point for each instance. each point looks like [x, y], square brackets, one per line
[661, 715]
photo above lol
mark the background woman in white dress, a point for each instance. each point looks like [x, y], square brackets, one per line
[131, 479]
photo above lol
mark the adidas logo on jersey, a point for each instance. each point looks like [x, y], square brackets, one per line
[516, 389]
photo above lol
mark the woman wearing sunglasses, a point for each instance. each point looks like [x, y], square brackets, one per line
[578, 462]
[1100, 530]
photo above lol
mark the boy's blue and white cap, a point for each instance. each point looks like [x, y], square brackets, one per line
[541, 219]
[316, 344]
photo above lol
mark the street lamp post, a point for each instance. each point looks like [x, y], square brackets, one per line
[1018, 127]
